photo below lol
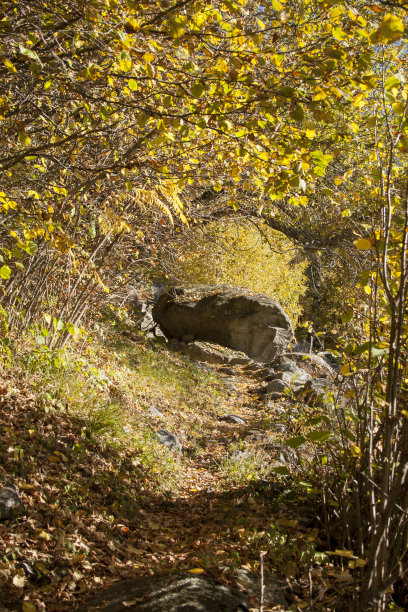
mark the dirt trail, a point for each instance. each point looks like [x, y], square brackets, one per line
[90, 521]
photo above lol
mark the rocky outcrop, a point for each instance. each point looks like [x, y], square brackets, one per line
[232, 317]
[169, 593]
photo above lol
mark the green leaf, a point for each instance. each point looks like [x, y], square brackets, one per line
[197, 89]
[31, 247]
[281, 470]
[347, 316]
[24, 139]
[298, 113]
[29, 53]
[175, 27]
[377, 352]
[319, 436]
[5, 272]
[295, 442]
[59, 326]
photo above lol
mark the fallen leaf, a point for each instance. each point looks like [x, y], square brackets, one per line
[291, 569]
[19, 581]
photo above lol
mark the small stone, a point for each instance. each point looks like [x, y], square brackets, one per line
[170, 440]
[232, 418]
[258, 390]
[289, 366]
[10, 502]
[153, 412]
[254, 367]
[277, 386]
[275, 395]
[228, 371]
[238, 360]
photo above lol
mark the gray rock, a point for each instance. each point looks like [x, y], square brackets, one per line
[301, 347]
[232, 317]
[153, 412]
[315, 392]
[148, 322]
[315, 360]
[228, 371]
[238, 360]
[232, 418]
[331, 359]
[202, 352]
[273, 586]
[169, 593]
[170, 440]
[258, 390]
[275, 395]
[254, 367]
[10, 502]
[287, 366]
[294, 379]
[276, 386]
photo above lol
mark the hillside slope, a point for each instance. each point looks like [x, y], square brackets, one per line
[104, 500]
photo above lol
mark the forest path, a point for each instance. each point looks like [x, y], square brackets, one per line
[91, 516]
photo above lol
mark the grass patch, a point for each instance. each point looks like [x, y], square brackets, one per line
[243, 464]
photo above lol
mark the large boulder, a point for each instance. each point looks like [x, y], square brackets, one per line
[169, 593]
[233, 317]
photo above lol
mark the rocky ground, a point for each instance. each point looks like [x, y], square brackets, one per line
[91, 517]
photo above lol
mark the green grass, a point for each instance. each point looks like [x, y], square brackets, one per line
[243, 463]
[109, 384]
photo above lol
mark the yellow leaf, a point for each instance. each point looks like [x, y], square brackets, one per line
[310, 133]
[343, 553]
[319, 94]
[197, 570]
[276, 5]
[338, 180]
[390, 29]
[9, 65]
[355, 450]
[357, 563]
[367, 289]
[28, 607]
[345, 370]
[362, 244]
